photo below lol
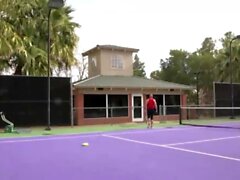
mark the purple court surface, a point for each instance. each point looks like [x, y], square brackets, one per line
[180, 153]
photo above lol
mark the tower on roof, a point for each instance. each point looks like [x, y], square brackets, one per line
[110, 60]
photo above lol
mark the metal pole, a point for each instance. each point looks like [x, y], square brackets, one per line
[231, 74]
[71, 102]
[48, 76]
[198, 88]
[52, 4]
[231, 79]
[197, 79]
[180, 115]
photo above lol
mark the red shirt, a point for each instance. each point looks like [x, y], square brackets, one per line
[150, 103]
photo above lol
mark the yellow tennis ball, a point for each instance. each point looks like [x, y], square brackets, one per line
[85, 144]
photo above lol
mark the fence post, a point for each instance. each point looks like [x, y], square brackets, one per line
[160, 112]
[180, 115]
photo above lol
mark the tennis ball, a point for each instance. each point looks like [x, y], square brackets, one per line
[85, 144]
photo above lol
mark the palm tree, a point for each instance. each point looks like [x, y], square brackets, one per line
[23, 46]
[224, 58]
[64, 40]
[9, 39]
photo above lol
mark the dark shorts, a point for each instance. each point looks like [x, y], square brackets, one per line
[150, 113]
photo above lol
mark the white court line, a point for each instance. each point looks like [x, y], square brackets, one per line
[69, 136]
[201, 141]
[34, 139]
[174, 148]
[202, 153]
[153, 130]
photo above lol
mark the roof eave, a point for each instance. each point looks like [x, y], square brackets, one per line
[133, 50]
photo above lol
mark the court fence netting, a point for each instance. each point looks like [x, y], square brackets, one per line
[219, 117]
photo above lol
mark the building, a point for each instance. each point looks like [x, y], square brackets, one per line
[111, 94]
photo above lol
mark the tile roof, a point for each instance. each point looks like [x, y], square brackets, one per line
[127, 82]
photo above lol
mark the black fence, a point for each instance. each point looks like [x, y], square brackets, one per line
[223, 97]
[24, 100]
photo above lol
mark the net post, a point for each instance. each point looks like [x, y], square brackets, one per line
[180, 115]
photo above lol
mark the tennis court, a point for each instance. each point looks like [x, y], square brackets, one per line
[179, 153]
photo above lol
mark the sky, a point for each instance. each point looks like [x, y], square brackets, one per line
[153, 26]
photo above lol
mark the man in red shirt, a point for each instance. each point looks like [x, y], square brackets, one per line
[151, 109]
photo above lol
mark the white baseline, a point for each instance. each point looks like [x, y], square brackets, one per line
[49, 138]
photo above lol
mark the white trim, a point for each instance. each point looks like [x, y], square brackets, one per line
[142, 108]
[106, 106]
[164, 105]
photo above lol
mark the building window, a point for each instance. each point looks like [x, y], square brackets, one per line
[159, 100]
[94, 106]
[93, 60]
[172, 103]
[117, 62]
[117, 105]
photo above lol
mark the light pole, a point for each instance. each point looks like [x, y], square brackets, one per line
[197, 79]
[231, 75]
[52, 4]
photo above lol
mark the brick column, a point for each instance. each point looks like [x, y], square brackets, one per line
[78, 102]
[184, 103]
